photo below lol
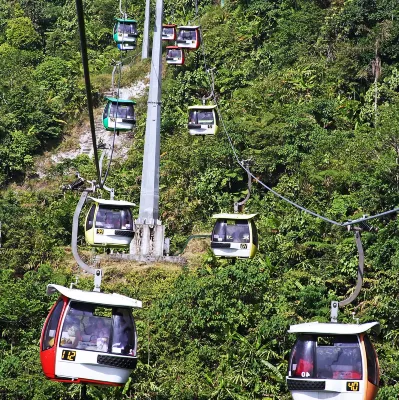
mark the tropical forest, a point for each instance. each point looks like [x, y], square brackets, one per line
[307, 93]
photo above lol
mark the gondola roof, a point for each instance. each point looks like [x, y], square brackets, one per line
[122, 203]
[234, 216]
[125, 20]
[189, 27]
[121, 101]
[331, 328]
[107, 299]
[201, 107]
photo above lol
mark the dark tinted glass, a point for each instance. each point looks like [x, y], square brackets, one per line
[51, 328]
[302, 358]
[372, 363]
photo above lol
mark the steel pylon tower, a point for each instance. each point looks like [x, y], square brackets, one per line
[149, 236]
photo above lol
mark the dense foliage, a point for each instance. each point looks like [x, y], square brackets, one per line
[307, 89]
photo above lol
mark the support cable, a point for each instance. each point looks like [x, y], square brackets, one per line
[360, 270]
[83, 46]
[287, 200]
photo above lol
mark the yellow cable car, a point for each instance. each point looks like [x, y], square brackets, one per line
[234, 236]
[109, 223]
[333, 361]
[203, 120]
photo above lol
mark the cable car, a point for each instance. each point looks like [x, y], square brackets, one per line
[109, 223]
[174, 55]
[333, 361]
[89, 337]
[234, 236]
[125, 33]
[203, 120]
[119, 115]
[169, 32]
[189, 37]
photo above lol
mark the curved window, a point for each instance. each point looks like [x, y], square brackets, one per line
[219, 231]
[231, 231]
[302, 358]
[326, 357]
[124, 336]
[110, 217]
[95, 327]
[90, 217]
[106, 109]
[205, 117]
[126, 219]
[51, 327]
[168, 32]
[254, 233]
[372, 363]
[173, 53]
[121, 111]
[127, 27]
[201, 117]
[186, 35]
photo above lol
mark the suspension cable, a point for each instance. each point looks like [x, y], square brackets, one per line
[287, 200]
[83, 46]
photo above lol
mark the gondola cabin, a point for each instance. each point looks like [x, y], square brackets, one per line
[333, 361]
[119, 115]
[203, 120]
[234, 236]
[174, 55]
[125, 33]
[89, 337]
[169, 32]
[109, 223]
[188, 37]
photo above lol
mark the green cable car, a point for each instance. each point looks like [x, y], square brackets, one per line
[109, 223]
[234, 236]
[125, 33]
[119, 115]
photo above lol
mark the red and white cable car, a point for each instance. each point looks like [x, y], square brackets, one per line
[333, 361]
[89, 337]
[189, 37]
[169, 32]
[174, 55]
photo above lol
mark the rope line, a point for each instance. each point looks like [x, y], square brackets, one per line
[287, 200]
[85, 62]
[83, 43]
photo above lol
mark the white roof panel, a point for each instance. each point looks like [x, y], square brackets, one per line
[189, 27]
[201, 107]
[234, 216]
[106, 299]
[333, 328]
[120, 203]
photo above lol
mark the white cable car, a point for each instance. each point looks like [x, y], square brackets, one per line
[189, 37]
[203, 120]
[174, 55]
[333, 361]
[234, 236]
[89, 337]
[125, 33]
[109, 223]
[119, 115]
[169, 32]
